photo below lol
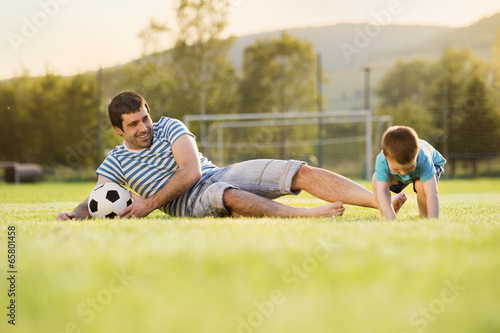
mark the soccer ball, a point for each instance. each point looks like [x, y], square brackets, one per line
[107, 200]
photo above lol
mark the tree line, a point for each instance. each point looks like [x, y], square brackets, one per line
[452, 102]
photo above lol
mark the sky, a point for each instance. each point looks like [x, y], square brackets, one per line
[67, 37]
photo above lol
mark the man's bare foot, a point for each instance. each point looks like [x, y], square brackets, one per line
[331, 210]
[398, 201]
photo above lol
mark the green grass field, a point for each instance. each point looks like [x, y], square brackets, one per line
[357, 273]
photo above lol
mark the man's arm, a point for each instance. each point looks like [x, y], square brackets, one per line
[81, 212]
[432, 198]
[384, 200]
[185, 154]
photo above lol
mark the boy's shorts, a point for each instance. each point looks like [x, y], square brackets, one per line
[397, 188]
[267, 178]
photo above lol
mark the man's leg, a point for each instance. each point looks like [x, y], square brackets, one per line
[332, 187]
[242, 203]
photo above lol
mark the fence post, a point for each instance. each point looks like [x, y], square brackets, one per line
[368, 145]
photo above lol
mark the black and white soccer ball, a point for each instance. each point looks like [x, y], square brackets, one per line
[107, 200]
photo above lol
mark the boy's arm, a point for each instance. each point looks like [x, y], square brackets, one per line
[384, 200]
[431, 193]
[81, 212]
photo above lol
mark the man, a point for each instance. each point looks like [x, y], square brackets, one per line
[161, 162]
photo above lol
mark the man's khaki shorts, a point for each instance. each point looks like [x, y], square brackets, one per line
[267, 178]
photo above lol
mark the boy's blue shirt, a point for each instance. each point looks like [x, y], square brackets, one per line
[427, 158]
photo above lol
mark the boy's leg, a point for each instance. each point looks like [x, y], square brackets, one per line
[421, 198]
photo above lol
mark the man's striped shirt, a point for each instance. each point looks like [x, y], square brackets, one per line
[146, 171]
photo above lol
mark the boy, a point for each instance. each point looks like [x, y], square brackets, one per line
[407, 159]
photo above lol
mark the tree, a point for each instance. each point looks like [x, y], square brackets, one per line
[39, 103]
[151, 37]
[79, 112]
[279, 75]
[49, 120]
[10, 127]
[203, 79]
[496, 70]
[402, 94]
[150, 75]
[449, 102]
[195, 73]
[479, 127]
[195, 76]
[456, 92]
[203, 76]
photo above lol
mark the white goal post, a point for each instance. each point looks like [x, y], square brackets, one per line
[212, 139]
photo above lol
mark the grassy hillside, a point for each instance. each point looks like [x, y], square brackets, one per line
[386, 42]
[479, 37]
[380, 51]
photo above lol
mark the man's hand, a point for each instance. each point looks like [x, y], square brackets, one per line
[139, 208]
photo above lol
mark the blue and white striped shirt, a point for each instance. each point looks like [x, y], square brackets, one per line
[146, 171]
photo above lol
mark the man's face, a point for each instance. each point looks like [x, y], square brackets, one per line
[137, 129]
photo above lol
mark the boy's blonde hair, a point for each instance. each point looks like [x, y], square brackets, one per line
[400, 143]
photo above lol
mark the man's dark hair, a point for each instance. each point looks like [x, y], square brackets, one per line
[124, 103]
